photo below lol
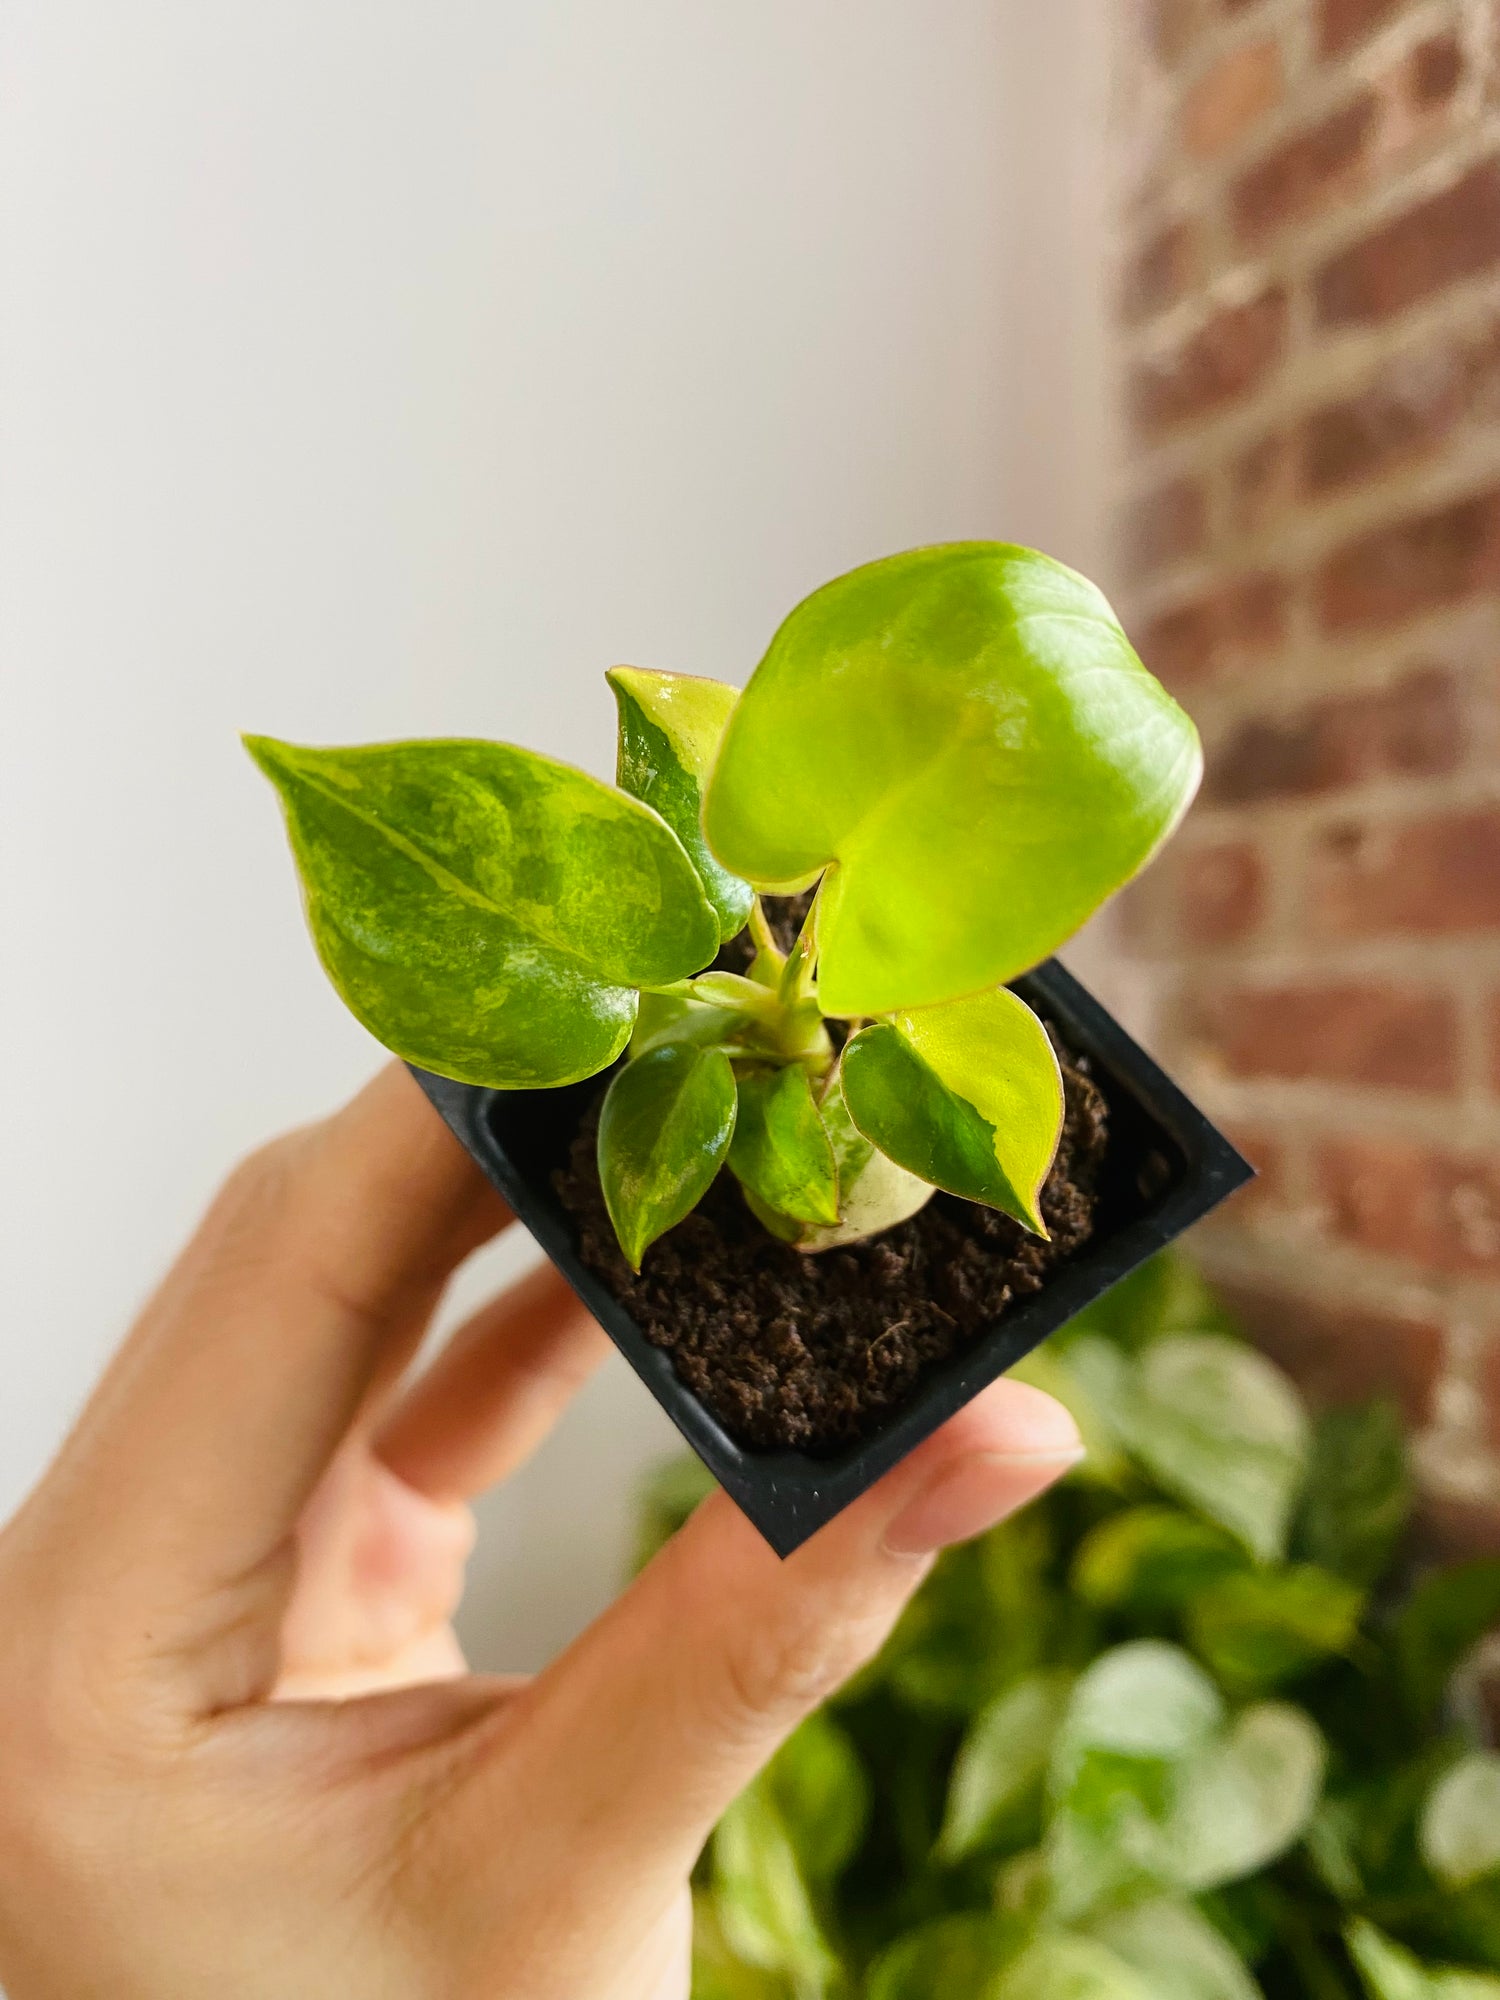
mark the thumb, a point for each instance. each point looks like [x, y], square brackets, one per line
[644, 1731]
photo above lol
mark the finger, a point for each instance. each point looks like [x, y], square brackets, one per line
[211, 1428]
[643, 1732]
[496, 1389]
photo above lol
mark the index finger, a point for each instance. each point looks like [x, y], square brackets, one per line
[210, 1429]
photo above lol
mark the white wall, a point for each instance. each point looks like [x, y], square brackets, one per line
[370, 368]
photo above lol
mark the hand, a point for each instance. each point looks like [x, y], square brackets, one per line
[256, 1521]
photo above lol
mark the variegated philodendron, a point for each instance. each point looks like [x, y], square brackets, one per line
[957, 746]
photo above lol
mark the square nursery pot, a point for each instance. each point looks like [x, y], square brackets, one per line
[1166, 1165]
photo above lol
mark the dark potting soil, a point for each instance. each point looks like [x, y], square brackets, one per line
[811, 1352]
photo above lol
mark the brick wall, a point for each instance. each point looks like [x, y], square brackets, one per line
[1310, 540]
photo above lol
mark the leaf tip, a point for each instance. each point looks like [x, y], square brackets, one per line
[269, 754]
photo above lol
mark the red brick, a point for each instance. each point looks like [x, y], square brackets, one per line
[1404, 1198]
[1343, 1355]
[1260, 484]
[1451, 1530]
[1268, 1155]
[1221, 893]
[1230, 96]
[1435, 70]
[1163, 270]
[1165, 526]
[1232, 353]
[1391, 1037]
[1413, 566]
[1344, 22]
[1432, 876]
[1412, 728]
[1413, 403]
[1451, 235]
[1306, 171]
[1218, 633]
[1494, 1039]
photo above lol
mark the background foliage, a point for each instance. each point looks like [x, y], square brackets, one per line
[1190, 1728]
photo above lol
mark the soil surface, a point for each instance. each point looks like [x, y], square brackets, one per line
[812, 1352]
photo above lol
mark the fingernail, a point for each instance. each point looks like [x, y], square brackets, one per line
[973, 1494]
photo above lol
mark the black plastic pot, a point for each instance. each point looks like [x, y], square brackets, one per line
[1166, 1166]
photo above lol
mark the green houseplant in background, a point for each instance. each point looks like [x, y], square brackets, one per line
[957, 746]
[1185, 1730]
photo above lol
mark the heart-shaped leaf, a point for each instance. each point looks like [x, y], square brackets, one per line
[486, 912]
[1460, 1832]
[664, 1130]
[1214, 1422]
[1152, 1788]
[670, 729]
[968, 1096]
[966, 733]
[780, 1152]
[1136, 1718]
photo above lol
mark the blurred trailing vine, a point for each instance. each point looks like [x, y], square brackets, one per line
[1185, 1730]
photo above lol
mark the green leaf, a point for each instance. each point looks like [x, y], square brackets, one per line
[1247, 1798]
[763, 1905]
[967, 734]
[1104, 1464]
[668, 1495]
[954, 1957]
[1154, 1790]
[670, 729]
[486, 912]
[1460, 1831]
[1001, 1761]
[1136, 1719]
[1153, 1559]
[717, 1973]
[780, 1151]
[1262, 1628]
[1358, 1496]
[873, 1192]
[968, 1096]
[1212, 1421]
[1391, 1972]
[663, 1133]
[1164, 1295]
[671, 1017]
[1063, 1966]
[819, 1787]
[983, 1618]
[1147, 1700]
[1388, 1971]
[1443, 1620]
[1176, 1950]
[1330, 1843]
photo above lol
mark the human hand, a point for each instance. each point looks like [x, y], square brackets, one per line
[241, 1755]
